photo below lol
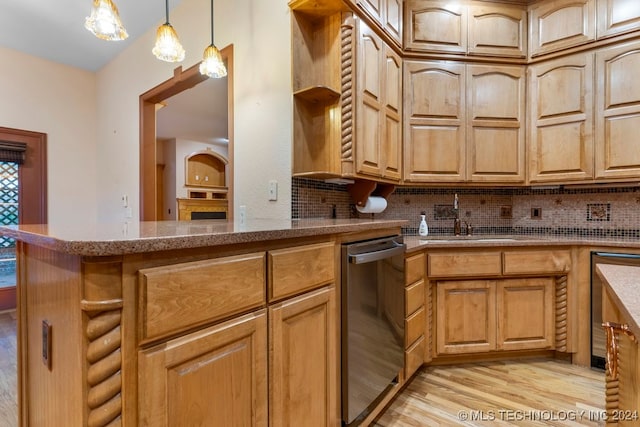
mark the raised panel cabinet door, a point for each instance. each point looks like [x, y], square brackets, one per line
[498, 31]
[213, 377]
[618, 111]
[617, 16]
[393, 19]
[435, 26]
[369, 102]
[434, 120]
[375, 8]
[560, 24]
[465, 316]
[303, 360]
[495, 123]
[526, 314]
[561, 119]
[392, 137]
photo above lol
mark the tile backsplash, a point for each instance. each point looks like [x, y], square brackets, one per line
[599, 212]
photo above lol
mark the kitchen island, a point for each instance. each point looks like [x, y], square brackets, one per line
[173, 323]
[621, 315]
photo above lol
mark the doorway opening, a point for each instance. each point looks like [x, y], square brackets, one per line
[23, 197]
[151, 185]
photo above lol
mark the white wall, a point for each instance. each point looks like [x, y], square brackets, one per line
[43, 96]
[260, 33]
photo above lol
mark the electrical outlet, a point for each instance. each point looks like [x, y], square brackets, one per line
[506, 212]
[536, 213]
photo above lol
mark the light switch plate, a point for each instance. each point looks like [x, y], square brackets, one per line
[273, 190]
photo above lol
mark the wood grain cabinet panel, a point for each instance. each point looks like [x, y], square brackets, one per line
[464, 264]
[536, 262]
[303, 360]
[618, 111]
[414, 327]
[300, 268]
[495, 123]
[497, 31]
[414, 268]
[616, 17]
[414, 297]
[215, 377]
[560, 24]
[177, 296]
[465, 316]
[434, 108]
[525, 313]
[378, 135]
[438, 25]
[414, 357]
[561, 119]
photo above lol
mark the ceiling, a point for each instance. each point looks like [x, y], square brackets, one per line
[54, 30]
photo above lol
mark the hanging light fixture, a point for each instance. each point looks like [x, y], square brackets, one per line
[212, 64]
[104, 21]
[168, 47]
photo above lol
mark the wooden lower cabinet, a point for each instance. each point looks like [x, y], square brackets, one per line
[303, 361]
[476, 316]
[465, 316]
[525, 313]
[213, 377]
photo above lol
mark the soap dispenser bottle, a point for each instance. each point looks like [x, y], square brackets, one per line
[423, 230]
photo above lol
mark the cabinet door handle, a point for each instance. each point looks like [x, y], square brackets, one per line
[612, 330]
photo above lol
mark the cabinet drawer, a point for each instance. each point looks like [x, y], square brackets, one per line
[414, 268]
[534, 262]
[414, 327]
[465, 264]
[178, 296]
[414, 357]
[295, 270]
[414, 297]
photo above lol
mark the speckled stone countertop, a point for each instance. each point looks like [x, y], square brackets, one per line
[624, 282]
[139, 237]
[416, 243]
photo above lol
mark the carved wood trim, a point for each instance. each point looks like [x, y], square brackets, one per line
[612, 398]
[561, 313]
[347, 49]
[430, 333]
[104, 364]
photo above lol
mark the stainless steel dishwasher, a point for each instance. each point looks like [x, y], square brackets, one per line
[598, 338]
[372, 323]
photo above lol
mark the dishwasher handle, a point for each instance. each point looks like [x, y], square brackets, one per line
[366, 257]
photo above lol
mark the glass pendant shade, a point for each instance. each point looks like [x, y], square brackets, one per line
[104, 21]
[212, 64]
[168, 47]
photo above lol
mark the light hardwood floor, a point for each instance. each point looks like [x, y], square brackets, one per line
[532, 392]
[495, 393]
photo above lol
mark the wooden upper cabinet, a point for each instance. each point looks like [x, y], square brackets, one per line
[498, 31]
[434, 121]
[560, 24]
[561, 119]
[618, 111]
[617, 16]
[495, 123]
[378, 133]
[437, 25]
[393, 19]
[387, 14]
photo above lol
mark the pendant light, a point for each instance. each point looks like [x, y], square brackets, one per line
[168, 47]
[212, 64]
[104, 21]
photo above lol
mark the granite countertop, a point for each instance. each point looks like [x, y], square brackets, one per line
[416, 243]
[137, 237]
[624, 283]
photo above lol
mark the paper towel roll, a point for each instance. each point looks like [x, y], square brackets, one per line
[374, 205]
